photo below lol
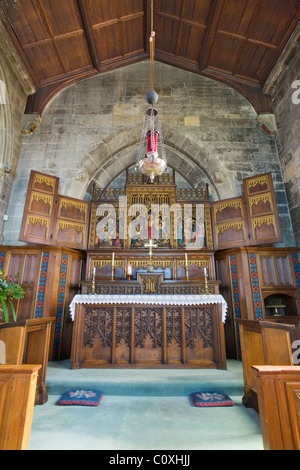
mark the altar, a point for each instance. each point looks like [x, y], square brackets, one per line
[143, 331]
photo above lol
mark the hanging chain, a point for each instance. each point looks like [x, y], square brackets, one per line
[152, 47]
[152, 128]
[161, 142]
[142, 141]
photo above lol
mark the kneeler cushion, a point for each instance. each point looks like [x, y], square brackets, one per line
[210, 399]
[81, 397]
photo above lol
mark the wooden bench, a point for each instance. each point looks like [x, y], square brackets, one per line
[262, 343]
[28, 342]
[278, 392]
[17, 397]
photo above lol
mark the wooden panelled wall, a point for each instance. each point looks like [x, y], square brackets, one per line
[50, 277]
[50, 273]
[256, 282]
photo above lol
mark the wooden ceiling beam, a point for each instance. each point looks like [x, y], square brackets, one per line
[89, 33]
[221, 39]
[214, 18]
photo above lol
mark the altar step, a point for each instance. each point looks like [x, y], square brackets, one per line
[145, 409]
[146, 382]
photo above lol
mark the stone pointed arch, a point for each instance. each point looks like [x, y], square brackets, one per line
[112, 156]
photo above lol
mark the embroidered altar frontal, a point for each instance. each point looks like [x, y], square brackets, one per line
[148, 335]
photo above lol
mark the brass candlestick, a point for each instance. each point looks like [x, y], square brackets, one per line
[112, 266]
[206, 291]
[186, 268]
[112, 271]
[94, 282]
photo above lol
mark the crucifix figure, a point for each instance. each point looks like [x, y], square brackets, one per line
[150, 246]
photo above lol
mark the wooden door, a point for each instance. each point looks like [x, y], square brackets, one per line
[249, 220]
[52, 219]
[262, 214]
[230, 223]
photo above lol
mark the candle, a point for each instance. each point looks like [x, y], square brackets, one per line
[129, 270]
[205, 271]
[94, 271]
[113, 259]
[186, 262]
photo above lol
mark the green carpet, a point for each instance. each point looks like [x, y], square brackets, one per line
[145, 410]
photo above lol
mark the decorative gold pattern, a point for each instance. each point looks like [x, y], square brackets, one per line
[62, 225]
[270, 220]
[101, 263]
[236, 204]
[208, 228]
[166, 196]
[42, 221]
[108, 195]
[37, 197]
[48, 181]
[264, 198]
[33, 220]
[234, 226]
[82, 207]
[41, 197]
[262, 180]
[32, 126]
[191, 194]
[150, 285]
[200, 263]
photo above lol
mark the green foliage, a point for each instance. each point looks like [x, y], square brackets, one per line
[9, 290]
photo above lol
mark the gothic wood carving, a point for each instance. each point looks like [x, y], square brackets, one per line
[148, 321]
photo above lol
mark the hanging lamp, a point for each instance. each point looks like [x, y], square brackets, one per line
[152, 164]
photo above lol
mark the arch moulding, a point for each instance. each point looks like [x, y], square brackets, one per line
[107, 160]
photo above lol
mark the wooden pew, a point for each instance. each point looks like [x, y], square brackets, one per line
[28, 342]
[278, 391]
[17, 397]
[262, 343]
[14, 340]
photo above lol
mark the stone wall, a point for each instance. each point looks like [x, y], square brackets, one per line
[15, 87]
[91, 131]
[286, 102]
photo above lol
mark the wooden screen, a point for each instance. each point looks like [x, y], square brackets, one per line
[51, 219]
[249, 220]
[230, 223]
[39, 208]
[262, 210]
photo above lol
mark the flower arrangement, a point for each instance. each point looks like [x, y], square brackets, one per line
[9, 290]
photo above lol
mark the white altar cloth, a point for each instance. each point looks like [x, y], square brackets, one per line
[149, 300]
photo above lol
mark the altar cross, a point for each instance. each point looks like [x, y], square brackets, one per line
[150, 246]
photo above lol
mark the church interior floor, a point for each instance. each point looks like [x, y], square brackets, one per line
[145, 409]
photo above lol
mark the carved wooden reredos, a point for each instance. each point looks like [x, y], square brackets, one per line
[171, 204]
[248, 220]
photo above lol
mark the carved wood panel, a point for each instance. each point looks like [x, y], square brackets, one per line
[251, 219]
[230, 223]
[51, 219]
[148, 322]
[39, 208]
[98, 325]
[198, 322]
[146, 334]
[264, 226]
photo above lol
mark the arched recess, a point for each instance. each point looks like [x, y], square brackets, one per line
[112, 156]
